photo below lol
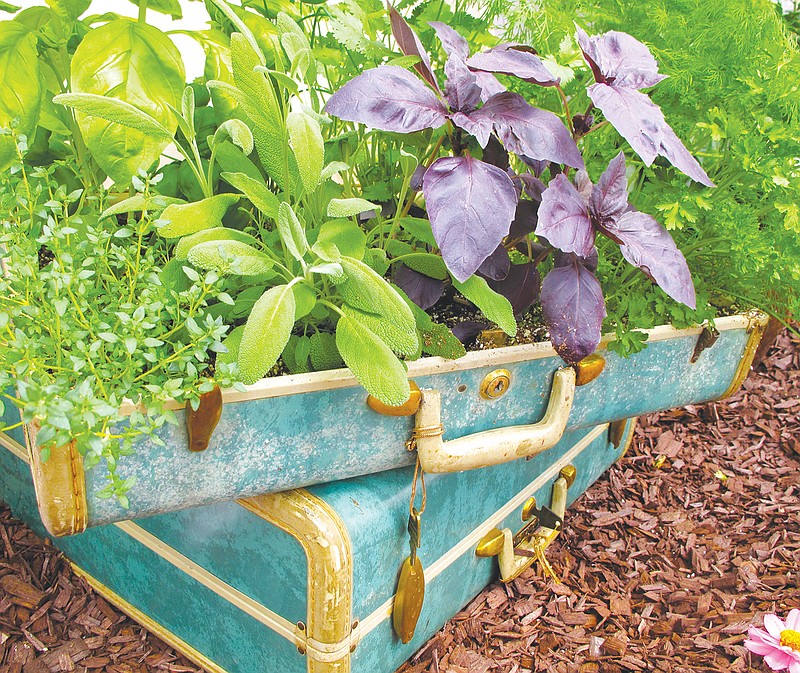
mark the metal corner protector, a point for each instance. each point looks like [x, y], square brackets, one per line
[329, 635]
[60, 485]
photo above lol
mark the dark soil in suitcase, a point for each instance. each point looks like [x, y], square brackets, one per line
[666, 560]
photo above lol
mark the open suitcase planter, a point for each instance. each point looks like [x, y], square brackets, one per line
[305, 580]
[293, 431]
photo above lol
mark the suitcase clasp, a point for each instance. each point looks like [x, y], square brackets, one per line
[516, 553]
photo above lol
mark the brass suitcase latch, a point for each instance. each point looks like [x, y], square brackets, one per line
[516, 552]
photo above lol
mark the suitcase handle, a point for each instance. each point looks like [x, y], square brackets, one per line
[491, 447]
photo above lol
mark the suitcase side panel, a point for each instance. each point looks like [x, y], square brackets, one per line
[375, 509]
[242, 548]
[184, 607]
[257, 446]
[455, 586]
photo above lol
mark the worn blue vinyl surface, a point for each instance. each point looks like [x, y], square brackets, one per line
[269, 566]
[284, 442]
[195, 614]
[9, 417]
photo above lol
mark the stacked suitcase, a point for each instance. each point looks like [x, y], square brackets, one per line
[356, 574]
[305, 579]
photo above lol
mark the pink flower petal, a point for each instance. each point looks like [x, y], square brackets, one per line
[793, 620]
[759, 647]
[794, 667]
[774, 625]
[778, 661]
[761, 636]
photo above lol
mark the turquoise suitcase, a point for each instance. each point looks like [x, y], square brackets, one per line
[305, 580]
[294, 431]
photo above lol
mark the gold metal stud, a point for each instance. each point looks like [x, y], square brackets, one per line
[495, 384]
[588, 369]
[408, 408]
[491, 544]
[568, 472]
[527, 509]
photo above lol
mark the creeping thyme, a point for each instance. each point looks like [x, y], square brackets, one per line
[88, 320]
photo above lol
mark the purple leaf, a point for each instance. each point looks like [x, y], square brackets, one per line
[461, 88]
[470, 206]
[468, 330]
[642, 124]
[676, 153]
[529, 131]
[520, 286]
[573, 307]
[496, 265]
[421, 289]
[537, 166]
[609, 197]
[495, 154]
[564, 218]
[648, 246]
[634, 115]
[388, 98]
[582, 124]
[410, 45]
[617, 58]
[512, 59]
[525, 219]
[584, 185]
[534, 187]
[452, 41]
[515, 179]
[489, 85]
[416, 178]
[475, 124]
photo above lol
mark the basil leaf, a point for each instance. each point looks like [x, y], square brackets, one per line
[21, 91]
[137, 64]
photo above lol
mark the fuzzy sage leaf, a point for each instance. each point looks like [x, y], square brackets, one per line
[266, 333]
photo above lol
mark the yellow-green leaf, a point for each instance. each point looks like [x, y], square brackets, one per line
[350, 207]
[256, 191]
[291, 231]
[230, 257]
[305, 139]
[266, 333]
[348, 237]
[186, 243]
[372, 362]
[21, 90]
[189, 218]
[138, 64]
[494, 306]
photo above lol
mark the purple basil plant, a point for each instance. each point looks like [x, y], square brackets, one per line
[475, 206]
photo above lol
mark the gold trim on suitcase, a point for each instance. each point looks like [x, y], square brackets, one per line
[326, 542]
[330, 635]
[756, 327]
[60, 485]
[151, 625]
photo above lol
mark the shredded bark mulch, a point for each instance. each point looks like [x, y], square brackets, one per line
[664, 562]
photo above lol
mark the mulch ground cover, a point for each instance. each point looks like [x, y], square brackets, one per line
[664, 563]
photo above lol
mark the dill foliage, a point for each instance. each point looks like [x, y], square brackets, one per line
[732, 96]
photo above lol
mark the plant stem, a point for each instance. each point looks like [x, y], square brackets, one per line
[142, 11]
[565, 104]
